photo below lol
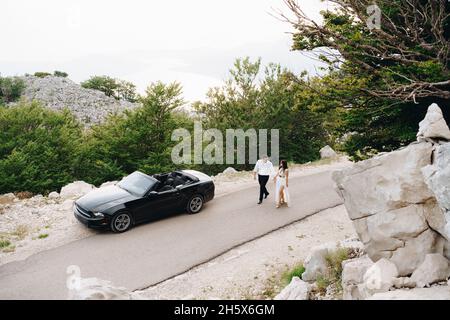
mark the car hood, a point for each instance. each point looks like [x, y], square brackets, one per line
[104, 198]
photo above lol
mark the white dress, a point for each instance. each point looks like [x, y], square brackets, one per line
[281, 181]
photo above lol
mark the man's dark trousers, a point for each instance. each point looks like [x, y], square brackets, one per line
[262, 186]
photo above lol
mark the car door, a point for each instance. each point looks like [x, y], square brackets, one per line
[157, 205]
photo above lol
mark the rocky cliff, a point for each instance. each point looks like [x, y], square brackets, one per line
[89, 106]
[400, 206]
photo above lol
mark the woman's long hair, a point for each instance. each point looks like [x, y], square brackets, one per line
[283, 164]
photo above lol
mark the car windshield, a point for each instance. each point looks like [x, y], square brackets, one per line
[137, 183]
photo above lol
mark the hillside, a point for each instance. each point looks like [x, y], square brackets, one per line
[89, 106]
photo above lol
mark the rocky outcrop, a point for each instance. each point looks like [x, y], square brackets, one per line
[327, 153]
[229, 170]
[399, 203]
[296, 290]
[89, 106]
[434, 293]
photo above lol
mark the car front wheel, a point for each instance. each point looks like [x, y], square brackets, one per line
[195, 204]
[121, 222]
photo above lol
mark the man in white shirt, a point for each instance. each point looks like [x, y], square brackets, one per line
[264, 169]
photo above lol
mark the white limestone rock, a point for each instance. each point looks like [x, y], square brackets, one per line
[296, 290]
[76, 190]
[433, 126]
[380, 276]
[327, 153]
[433, 269]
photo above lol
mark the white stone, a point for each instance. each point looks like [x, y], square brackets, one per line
[296, 290]
[433, 269]
[353, 271]
[437, 177]
[434, 125]
[76, 190]
[315, 263]
[433, 293]
[97, 289]
[229, 170]
[327, 153]
[7, 198]
[53, 195]
[380, 276]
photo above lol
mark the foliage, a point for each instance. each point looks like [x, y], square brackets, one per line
[140, 139]
[42, 74]
[297, 271]
[60, 74]
[265, 99]
[36, 148]
[11, 89]
[118, 89]
[380, 81]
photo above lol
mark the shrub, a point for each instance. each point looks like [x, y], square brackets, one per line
[11, 89]
[37, 147]
[42, 74]
[118, 89]
[60, 74]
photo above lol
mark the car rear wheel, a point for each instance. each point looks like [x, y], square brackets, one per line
[121, 222]
[195, 204]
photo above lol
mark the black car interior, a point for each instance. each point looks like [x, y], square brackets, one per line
[170, 181]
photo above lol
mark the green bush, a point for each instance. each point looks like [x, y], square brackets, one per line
[60, 74]
[11, 89]
[42, 74]
[115, 88]
[37, 148]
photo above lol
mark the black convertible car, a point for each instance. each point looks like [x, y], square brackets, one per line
[139, 198]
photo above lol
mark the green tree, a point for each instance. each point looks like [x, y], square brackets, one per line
[36, 148]
[11, 89]
[380, 80]
[118, 89]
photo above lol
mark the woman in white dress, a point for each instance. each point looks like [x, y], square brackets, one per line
[282, 185]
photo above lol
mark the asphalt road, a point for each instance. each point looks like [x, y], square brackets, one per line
[151, 253]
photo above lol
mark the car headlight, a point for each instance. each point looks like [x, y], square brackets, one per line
[99, 214]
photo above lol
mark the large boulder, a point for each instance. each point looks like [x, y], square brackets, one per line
[437, 177]
[392, 207]
[327, 153]
[433, 269]
[433, 127]
[76, 190]
[296, 290]
[229, 170]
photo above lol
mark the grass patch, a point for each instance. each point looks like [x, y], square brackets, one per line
[333, 276]
[4, 243]
[21, 231]
[286, 278]
[43, 236]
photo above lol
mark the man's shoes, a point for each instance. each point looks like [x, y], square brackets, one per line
[259, 202]
[265, 197]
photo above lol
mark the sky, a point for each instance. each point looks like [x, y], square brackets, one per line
[193, 42]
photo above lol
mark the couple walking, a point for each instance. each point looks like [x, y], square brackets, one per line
[264, 169]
